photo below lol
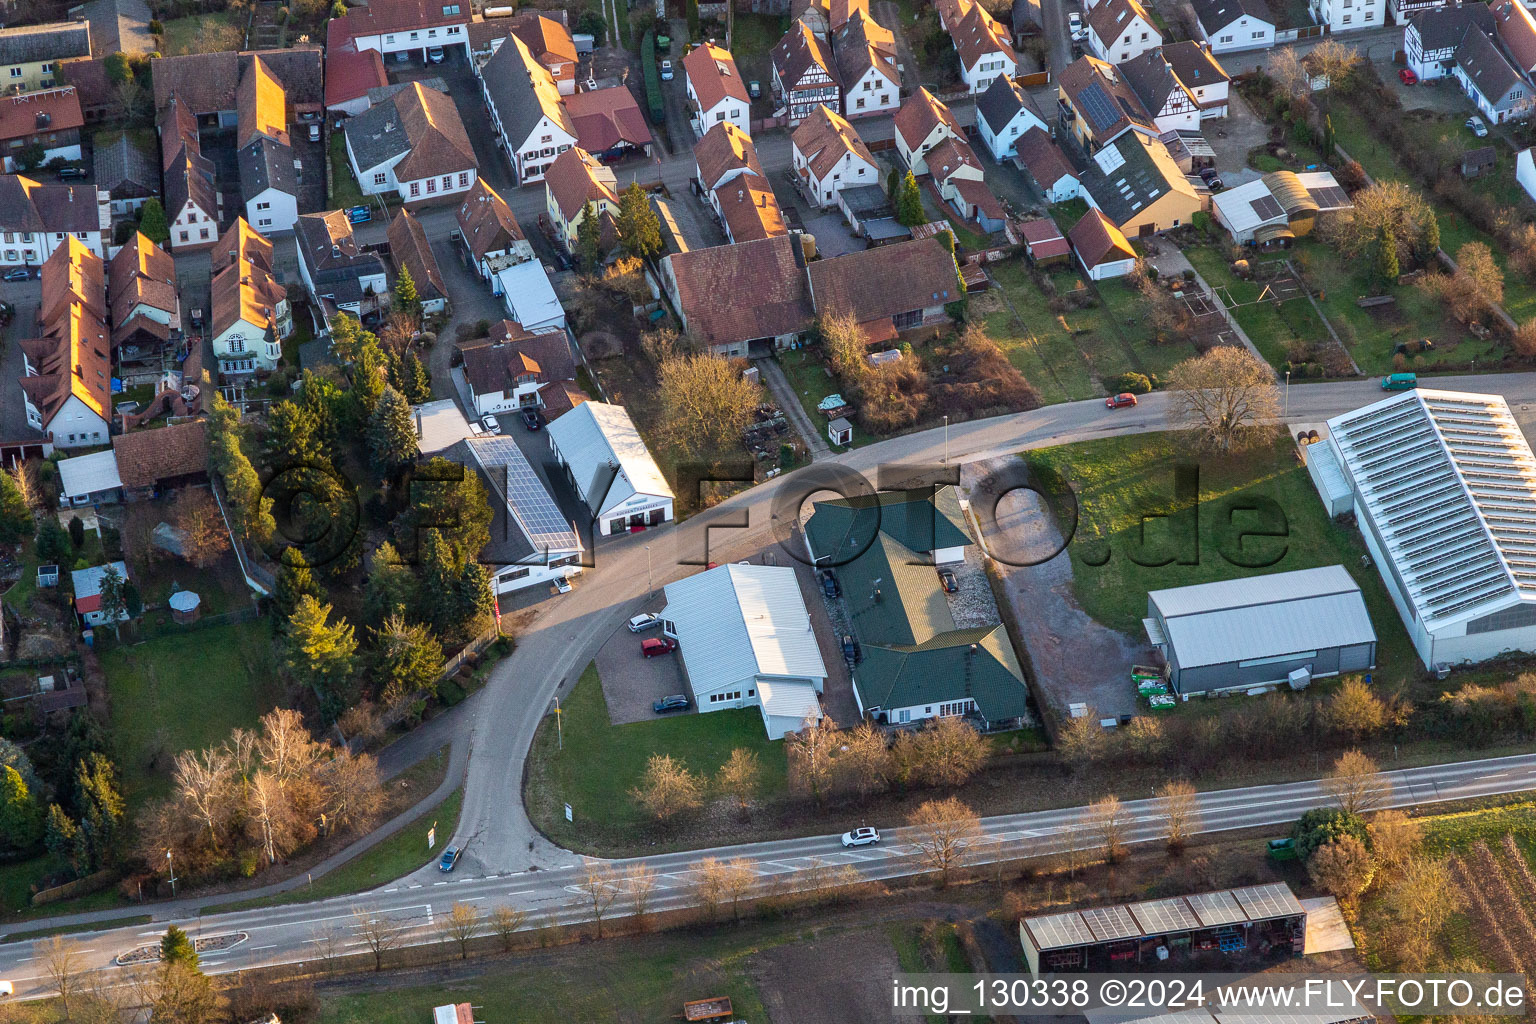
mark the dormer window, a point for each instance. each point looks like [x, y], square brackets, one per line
[450, 10]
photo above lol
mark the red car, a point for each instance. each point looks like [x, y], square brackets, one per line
[655, 647]
[1122, 399]
[1407, 77]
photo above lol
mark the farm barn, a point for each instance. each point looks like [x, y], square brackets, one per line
[1281, 627]
[1264, 919]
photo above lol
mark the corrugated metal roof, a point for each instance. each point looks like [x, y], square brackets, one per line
[1326, 459]
[737, 621]
[607, 456]
[1449, 482]
[86, 474]
[789, 699]
[1264, 616]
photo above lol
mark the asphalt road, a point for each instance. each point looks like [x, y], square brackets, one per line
[417, 905]
[507, 861]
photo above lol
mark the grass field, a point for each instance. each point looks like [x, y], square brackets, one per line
[182, 34]
[601, 763]
[1269, 326]
[1118, 481]
[184, 692]
[807, 374]
[344, 188]
[1067, 355]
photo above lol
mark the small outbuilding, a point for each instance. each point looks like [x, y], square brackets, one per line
[1475, 162]
[1280, 207]
[840, 431]
[611, 468]
[1284, 627]
[185, 607]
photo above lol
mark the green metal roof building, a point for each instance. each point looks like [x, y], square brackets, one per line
[918, 663]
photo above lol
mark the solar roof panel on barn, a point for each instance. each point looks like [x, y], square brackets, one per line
[1216, 908]
[1164, 917]
[1110, 923]
[1267, 902]
[1058, 931]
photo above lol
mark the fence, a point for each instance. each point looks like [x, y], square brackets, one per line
[79, 887]
[471, 649]
[145, 631]
[256, 577]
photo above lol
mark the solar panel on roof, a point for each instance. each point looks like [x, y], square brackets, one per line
[1057, 931]
[1164, 917]
[1216, 908]
[1265, 902]
[1266, 207]
[1098, 106]
[1109, 923]
[1329, 196]
[534, 509]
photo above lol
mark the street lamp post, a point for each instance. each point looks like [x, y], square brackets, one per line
[1287, 394]
[172, 863]
[648, 584]
[946, 440]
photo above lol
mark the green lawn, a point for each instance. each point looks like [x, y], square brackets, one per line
[1119, 480]
[1269, 326]
[1447, 133]
[184, 692]
[344, 189]
[395, 857]
[1068, 355]
[807, 374]
[181, 34]
[622, 980]
[601, 763]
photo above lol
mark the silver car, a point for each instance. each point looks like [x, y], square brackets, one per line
[645, 620]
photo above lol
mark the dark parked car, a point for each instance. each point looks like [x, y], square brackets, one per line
[948, 579]
[829, 585]
[849, 652]
[676, 702]
[532, 420]
[449, 859]
[73, 173]
[17, 274]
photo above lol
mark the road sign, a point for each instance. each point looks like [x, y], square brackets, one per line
[568, 813]
[432, 837]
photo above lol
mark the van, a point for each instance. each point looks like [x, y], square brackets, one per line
[1400, 382]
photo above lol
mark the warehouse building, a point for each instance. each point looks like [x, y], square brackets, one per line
[1266, 920]
[1285, 627]
[1280, 207]
[611, 468]
[746, 641]
[1443, 486]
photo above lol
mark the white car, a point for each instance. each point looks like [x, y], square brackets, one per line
[7, 989]
[562, 584]
[666, 71]
[490, 423]
[861, 837]
[645, 620]
[1478, 126]
[1075, 25]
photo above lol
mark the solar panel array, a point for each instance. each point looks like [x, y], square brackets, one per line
[528, 502]
[1163, 917]
[1450, 485]
[1172, 916]
[1058, 931]
[1330, 197]
[1216, 908]
[1110, 923]
[1267, 902]
[1266, 206]
[1098, 105]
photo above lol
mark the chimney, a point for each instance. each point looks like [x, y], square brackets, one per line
[418, 423]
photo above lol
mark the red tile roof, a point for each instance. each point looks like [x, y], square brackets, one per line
[486, 221]
[575, 178]
[19, 113]
[1097, 240]
[723, 149]
[1517, 31]
[409, 246]
[735, 293]
[395, 16]
[606, 118]
[887, 280]
[548, 40]
[825, 137]
[750, 209]
[712, 72]
[146, 457]
[920, 114]
[350, 73]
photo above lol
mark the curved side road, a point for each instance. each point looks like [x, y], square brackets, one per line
[290, 934]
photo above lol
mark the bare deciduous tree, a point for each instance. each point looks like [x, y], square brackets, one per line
[506, 922]
[1354, 783]
[1418, 905]
[205, 538]
[63, 962]
[737, 877]
[203, 779]
[1286, 72]
[1354, 710]
[640, 884]
[328, 944]
[1342, 867]
[705, 401]
[1333, 62]
[810, 753]
[461, 924]
[943, 831]
[379, 933]
[668, 787]
[1227, 396]
[1107, 819]
[1178, 804]
[947, 753]
[740, 777]
[598, 888]
[1395, 839]
[706, 885]
[1082, 740]
[863, 764]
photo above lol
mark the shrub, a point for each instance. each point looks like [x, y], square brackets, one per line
[1135, 383]
[1323, 825]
